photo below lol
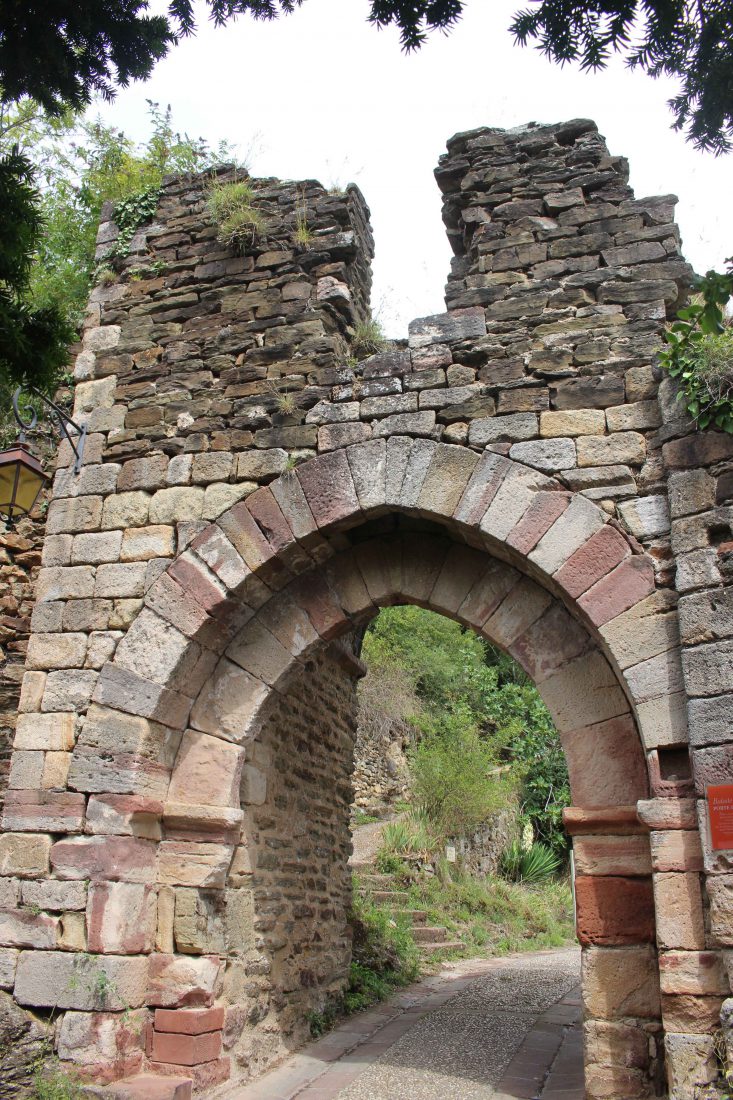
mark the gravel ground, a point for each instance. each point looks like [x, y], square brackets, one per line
[460, 1051]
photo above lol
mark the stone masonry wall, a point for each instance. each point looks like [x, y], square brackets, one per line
[296, 793]
[202, 386]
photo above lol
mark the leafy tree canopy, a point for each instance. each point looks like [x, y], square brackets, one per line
[61, 52]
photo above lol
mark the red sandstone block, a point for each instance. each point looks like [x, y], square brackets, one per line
[189, 1021]
[613, 910]
[537, 520]
[194, 578]
[186, 1050]
[328, 488]
[266, 510]
[121, 858]
[205, 1075]
[145, 1086]
[602, 552]
[625, 586]
[43, 811]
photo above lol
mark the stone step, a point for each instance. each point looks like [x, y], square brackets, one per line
[429, 934]
[390, 897]
[145, 1086]
[417, 916]
[446, 945]
[375, 880]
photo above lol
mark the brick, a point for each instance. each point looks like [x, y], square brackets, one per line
[614, 910]
[188, 1021]
[169, 506]
[186, 1050]
[21, 928]
[700, 973]
[626, 585]
[126, 510]
[592, 561]
[620, 982]
[612, 855]
[207, 771]
[96, 547]
[572, 422]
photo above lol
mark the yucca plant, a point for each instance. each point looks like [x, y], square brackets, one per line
[533, 864]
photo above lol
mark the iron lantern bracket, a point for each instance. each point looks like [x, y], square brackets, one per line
[65, 424]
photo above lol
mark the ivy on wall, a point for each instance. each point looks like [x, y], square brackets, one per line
[699, 352]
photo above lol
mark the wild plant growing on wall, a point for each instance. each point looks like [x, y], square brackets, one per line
[699, 352]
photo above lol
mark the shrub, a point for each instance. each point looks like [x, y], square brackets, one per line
[455, 779]
[231, 208]
[530, 865]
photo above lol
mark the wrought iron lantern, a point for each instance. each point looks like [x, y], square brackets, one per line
[21, 474]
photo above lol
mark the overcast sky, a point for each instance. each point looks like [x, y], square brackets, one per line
[321, 94]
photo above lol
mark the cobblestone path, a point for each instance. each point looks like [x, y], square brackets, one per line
[487, 1029]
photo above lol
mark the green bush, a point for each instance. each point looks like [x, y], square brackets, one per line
[368, 338]
[454, 776]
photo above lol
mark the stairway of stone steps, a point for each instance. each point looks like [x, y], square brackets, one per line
[430, 939]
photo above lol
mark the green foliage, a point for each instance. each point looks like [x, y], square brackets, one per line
[231, 208]
[33, 339]
[699, 352]
[50, 1082]
[468, 702]
[455, 779]
[533, 864]
[368, 338]
[362, 818]
[412, 835]
[492, 916]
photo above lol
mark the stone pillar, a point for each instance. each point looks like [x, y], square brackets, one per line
[616, 929]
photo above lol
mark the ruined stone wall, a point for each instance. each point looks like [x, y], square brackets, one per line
[206, 384]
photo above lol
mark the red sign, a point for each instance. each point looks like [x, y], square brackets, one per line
[720, 811]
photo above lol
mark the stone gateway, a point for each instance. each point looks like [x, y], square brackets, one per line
[174, 857]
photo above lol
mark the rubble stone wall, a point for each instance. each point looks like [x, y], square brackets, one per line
[251, 493]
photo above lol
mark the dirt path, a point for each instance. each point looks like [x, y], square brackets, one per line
[366, 840]
[481, 1029]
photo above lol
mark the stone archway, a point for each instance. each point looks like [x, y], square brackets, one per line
[518, 466]
[230, 628]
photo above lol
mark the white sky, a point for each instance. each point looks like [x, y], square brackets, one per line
[321, 94]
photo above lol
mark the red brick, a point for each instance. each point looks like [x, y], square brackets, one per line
[613, 910]
[186, 1050]
[595, 559]
[329, 488]
[627, 585]
[189, 1021]
[537, 520]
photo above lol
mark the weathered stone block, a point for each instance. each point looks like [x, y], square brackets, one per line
[184, 863]
[700, 973]
[207, 771]
[24, 855]
[37, 811]
[680, 922]
[183, 981]
[620, 981]
[59, 979]
[611, 909]
[56, 651]
[143, 543]
[627, 448]
[125, 859]
[121, 918]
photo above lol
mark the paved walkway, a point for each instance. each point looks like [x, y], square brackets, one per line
[487, 1029]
